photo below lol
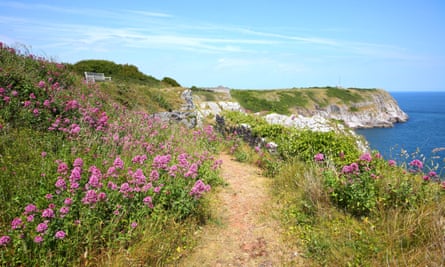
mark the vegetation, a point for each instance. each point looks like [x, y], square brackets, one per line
[87, 181]
[356, 211]
[88, 177]
[295, 100]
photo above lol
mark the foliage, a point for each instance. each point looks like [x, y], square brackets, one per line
[345, 95]
[90, 176]
[170, 82]
[120, 72]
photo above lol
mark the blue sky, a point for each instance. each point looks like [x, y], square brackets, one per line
[251, 44]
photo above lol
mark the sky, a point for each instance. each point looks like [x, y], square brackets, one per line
[396, 45]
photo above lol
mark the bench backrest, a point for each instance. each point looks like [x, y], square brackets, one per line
[94, 76]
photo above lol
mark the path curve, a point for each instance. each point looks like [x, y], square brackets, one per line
[244, 231]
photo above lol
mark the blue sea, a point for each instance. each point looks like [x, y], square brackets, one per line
[421, 137]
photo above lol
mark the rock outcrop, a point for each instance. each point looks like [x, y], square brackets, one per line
[380, 111]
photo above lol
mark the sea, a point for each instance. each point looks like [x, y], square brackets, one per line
[421, 137]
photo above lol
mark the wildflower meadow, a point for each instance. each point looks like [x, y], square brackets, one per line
[82, 174]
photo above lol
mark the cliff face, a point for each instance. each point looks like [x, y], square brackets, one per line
[370, 109]
[381, 110]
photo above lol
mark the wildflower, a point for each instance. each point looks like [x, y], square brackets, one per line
[4, 240]
[112, 185]
[416, 164]
[94, 181]
[75, 174]
[366, 157]
[134, 225]
[199, 188]
[48, 196]
[30, 218]
[154, 175]
[78, 163]
[148, 201]
[90, 197]
[118, 163]
[432, 174]
[319, 157]
[193, 171]
[64, 210]
[68, 201]
[392, 163]
[60, 235]
[48, 213]
[426, 178]
[161, 162]
[35, 112]
[62, 168]
[14, 93]
[102, 196]
[38, 239]
[42, 227]
[41, 84]
[16, 223]
[60, 183]
[30, 208]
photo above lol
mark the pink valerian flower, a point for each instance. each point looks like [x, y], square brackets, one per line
[5, 240]
[416, 164]
[47, 103]
[134, 225]
[182, 160]
[392, 163]
[27, 103]
[76, 173]
[366, 157]
[112, 172]
[71, 104]
[148, 201]
[30, 218]
[139, 177]
[154, 175]
[319, 157]
[118, 163]
[90, 197]
[161, 162]
[14, 93]
[102, 196]
[125, 188]
[78, 163]
[16, 223]
[60, 235]
[41, 84]
[199, 188]
[42, 227]
[74, 129]
[139, 159]
[192, 171]
[68, 201]
[60, 183]
[48, 213]
[64, 210]
[38, 239]
[112, 185]
[172, 171]
[30, 208]
[32, 96]
[62, 168]
[94, 182]
[36, 112]
[95, 171]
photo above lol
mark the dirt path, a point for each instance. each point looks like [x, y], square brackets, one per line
[244, 231]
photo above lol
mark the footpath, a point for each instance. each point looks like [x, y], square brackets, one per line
[245, 228]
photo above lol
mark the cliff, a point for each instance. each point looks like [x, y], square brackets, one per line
[306, 108]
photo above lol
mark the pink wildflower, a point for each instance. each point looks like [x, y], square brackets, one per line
[4, 240]
[366, 157]
[319, 157]
[38, 239]
[60, 235]
[41, 227]
[41, 84]
[16, 223]
[199, 188]
[48, 213]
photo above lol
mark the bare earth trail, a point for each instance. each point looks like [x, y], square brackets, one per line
[243, 231]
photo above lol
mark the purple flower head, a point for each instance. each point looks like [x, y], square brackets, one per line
[30, 208]
[64, 210]
[199, 188]
[366, 157]
[41, 84]
[148, 201]
[68, 201]
[416, 164]
[60, 235]
[90, 197]
[48, 213]
[118, 163]
[60, 184]
[154, 175]
[4, 240]
[42, 227]
[78, 163]
[161, 162]
[392, 163]
[319, 157]
[62, 168]
[38, 239]
[75, 174]
[94, 181]
[16, 223]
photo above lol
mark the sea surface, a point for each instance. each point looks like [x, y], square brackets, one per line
[421, 137]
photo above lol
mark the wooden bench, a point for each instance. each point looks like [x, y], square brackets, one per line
[93, 77]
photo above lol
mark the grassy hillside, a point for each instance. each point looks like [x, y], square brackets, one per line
[88, 177]
[289, 101]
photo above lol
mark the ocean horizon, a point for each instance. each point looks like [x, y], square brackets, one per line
[421, 137]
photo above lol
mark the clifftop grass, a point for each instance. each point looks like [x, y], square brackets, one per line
[286, 101]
